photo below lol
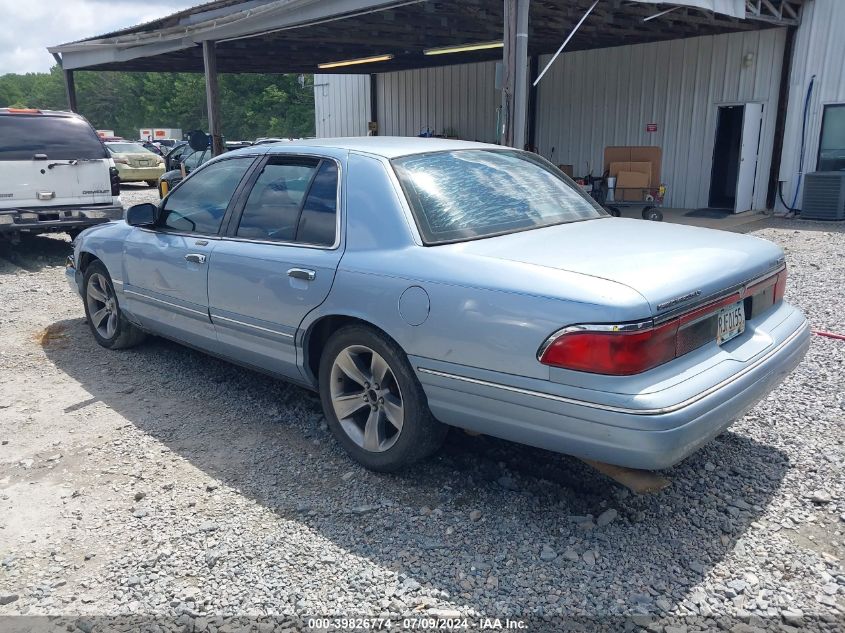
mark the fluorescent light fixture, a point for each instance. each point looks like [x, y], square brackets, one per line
[463, 48]
[354, 62]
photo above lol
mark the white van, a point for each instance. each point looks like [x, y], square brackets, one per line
[55, 174]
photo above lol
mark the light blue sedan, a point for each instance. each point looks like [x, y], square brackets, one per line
[420, 283]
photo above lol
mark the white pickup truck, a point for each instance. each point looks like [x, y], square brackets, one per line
[55, 174]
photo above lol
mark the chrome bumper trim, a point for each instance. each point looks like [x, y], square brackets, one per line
[605, 407]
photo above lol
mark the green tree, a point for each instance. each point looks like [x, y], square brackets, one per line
[252, 105]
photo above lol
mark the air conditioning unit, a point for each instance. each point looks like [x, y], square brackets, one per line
[824, 196]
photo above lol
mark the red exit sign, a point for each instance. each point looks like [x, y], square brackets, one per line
[651, 127]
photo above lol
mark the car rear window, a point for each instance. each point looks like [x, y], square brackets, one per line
[60, 138]
[468, 194]
[128, 148]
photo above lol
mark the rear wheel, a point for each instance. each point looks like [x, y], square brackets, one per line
[653, 214]
[373, 402]
[108, 325]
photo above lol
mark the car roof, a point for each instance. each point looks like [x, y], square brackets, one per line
[385, 146]
[36, 112]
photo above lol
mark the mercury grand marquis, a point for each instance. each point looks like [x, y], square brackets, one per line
[418, 284]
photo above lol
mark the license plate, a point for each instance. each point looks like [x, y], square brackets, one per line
[730, 322]
[143, 163]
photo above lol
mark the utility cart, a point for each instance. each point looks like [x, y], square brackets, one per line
[614, 198]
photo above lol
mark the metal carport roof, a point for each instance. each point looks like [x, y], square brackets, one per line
[296, 35]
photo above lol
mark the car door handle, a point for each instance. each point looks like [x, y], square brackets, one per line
[302, 273]
[195, 258]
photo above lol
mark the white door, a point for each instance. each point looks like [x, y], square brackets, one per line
[752, 122]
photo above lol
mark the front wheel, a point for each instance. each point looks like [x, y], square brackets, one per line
[108, 325]
[373, 401]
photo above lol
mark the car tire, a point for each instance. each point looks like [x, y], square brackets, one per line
[369, 433]
[102, 310]
[152, 183]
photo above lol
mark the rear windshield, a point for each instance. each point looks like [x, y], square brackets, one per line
[467, 194]
[60, 138]
[128, 148]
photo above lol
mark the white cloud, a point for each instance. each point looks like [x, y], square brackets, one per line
[28, 27]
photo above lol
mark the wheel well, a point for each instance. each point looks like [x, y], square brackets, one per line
[85, 260]
[318, 335]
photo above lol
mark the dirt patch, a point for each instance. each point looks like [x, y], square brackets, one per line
[54, 335]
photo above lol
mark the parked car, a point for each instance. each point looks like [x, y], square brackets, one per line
[135, 163]
[55, 174]
[190, 160]
[233, 145]
[174, 156]
[268, 140]
[155, 148]
[419, 283]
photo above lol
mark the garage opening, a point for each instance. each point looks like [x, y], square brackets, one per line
[726, 154]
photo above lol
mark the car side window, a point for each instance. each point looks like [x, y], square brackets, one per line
[198, 205]
[318, 221]
[194, 160]
[274, 205]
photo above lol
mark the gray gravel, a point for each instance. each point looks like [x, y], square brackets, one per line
[158, 481]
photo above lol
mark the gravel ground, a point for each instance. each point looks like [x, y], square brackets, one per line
[161, 482]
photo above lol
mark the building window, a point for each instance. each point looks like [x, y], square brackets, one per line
[832, 144]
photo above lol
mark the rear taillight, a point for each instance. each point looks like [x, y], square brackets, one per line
[780, 286]
[121, 161]
[114, 177]
[618, 351]
[632, 348]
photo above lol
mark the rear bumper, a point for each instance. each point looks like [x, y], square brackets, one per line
[57, 218]
[138, 174]
[591, 430]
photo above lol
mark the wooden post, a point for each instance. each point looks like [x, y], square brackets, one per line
[515, 73]
[212, 96]
[70, 89]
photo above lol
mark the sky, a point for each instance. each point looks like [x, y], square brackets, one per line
[28, 27]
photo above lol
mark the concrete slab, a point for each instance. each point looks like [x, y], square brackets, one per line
[735, 222]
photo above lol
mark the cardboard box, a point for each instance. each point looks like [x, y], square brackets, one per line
[566, 169]
[631, 186]
[636, 154]
[639, 167]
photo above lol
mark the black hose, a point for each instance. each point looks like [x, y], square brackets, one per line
[783, 202]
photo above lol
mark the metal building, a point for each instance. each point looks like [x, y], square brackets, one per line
[668, 93]
[691, 76]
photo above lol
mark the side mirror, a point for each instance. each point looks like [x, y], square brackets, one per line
[142, 214]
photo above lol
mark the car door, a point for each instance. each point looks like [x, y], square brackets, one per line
[166, 265]
[277, 261]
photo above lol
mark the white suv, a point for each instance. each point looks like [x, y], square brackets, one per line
[55, 174]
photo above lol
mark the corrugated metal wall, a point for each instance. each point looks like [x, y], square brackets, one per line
[592, 99]
[341, 105]
[461, 99]
[819, 50]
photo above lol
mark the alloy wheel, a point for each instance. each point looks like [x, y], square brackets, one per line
[102, 305]
[366, 398]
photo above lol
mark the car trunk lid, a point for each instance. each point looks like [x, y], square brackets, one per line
[671, 266]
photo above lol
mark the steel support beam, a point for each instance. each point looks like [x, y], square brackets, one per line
[70, 89]
[212, 96]
[374, 104]
[515, 73]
